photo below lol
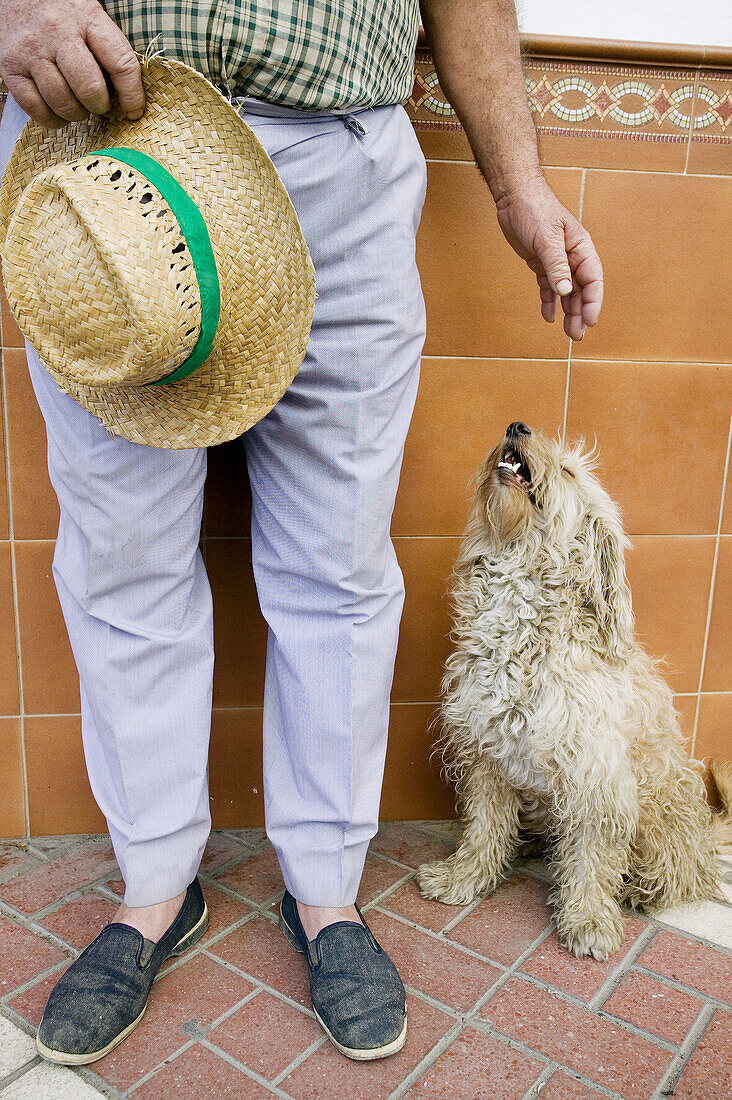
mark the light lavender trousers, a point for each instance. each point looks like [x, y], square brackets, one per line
[324, 467]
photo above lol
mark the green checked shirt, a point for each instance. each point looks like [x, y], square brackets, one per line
[318, 55]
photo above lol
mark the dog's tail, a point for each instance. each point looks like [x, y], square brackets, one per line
[721, 772]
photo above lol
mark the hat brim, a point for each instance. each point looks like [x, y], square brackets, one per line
[265, 272]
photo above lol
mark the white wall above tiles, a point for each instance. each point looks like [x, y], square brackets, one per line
[704, 22]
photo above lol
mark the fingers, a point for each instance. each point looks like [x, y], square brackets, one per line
[115, 54]
[24, 91]
[55, 91]
[551, 251]
[85, 78]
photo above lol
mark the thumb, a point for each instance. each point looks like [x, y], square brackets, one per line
[558, 272]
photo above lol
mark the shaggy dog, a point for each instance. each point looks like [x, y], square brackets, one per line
[555, 723]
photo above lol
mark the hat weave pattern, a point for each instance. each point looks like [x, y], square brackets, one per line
[101, 281]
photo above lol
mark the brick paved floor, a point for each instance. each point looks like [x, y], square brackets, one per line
[497, 1010]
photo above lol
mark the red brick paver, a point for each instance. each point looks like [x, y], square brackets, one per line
[693, 964]
[403, 842]
[507, 922]
[581, 976]
[40, 886]
[211, 1028]
[656, 1007]
[477, 1065]
[257, 877]
[561, 1087]
[326, 1074]
[81, 921]
[437, 969]
[199, 1072]
[708, 1075]
[577, 1039]
[24, 954]
[266, 1034]
[408, 902]
[260, 949]
[192, 996]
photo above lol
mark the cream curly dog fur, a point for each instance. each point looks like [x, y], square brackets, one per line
[554, 721]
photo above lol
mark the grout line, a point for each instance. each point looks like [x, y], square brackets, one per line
[611, 983]
[14, 585]
[246, 1070]
[535, 1090]
[666, 1086]
[710, 604]
[156, 1069]
[599, 168]
[547, 359]
[429, 1059]
[298, 1061]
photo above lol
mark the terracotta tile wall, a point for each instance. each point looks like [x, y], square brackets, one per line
[643, 156]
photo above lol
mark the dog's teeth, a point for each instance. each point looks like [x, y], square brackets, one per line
[510, 466]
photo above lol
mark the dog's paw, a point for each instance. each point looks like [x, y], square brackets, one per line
[441, 881]
[598, 939]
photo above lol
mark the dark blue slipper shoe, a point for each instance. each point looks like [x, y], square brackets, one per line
[357, 994]
[103, 995]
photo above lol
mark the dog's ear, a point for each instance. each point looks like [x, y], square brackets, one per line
[608, 595]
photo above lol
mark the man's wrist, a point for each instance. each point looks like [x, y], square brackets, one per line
[505, 186]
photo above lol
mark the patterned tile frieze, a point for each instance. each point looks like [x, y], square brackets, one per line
[599, 100]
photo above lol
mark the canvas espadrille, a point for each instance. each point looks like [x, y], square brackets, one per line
[157, 266]
[357, 994]
[103, 995]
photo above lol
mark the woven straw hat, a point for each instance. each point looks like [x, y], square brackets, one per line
[164, 282]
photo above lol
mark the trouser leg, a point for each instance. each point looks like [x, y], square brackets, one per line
[324, 467]
[137, 605]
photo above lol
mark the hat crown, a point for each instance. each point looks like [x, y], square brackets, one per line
[112, 298]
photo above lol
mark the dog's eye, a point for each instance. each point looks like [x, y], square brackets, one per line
[566, 471]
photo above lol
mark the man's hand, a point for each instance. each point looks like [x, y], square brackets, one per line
[53, 56]
[558, 250]
[476, 49]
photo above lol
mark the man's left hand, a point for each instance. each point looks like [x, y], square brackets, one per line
[558, 250]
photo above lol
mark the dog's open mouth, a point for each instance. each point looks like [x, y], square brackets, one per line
[516, 467]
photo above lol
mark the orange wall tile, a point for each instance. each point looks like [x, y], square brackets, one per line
[235, 768]
[714, 734]
[59, 796]
[35, 509]
[661, 240]
[670, 578]
[481, 298]
[662, 433]
[9, 696]
[423, 637]
[240, 632]
[4, 513]
[463, 408]
[50, 681]
[12, 802]
[718, 665]
[413, 789]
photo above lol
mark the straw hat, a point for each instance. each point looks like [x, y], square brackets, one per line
[158, 267]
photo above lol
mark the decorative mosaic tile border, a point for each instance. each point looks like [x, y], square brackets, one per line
[624, 102]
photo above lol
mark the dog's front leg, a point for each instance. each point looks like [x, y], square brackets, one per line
[591, 857]
[490, 811]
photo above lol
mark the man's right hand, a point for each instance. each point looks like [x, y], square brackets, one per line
[53, 56]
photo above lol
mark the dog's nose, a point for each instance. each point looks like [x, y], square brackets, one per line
[518, 428]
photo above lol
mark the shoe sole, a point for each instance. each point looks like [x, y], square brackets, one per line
[60, 1057]
[358, 1054]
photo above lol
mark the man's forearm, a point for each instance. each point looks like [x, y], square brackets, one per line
[475, 48]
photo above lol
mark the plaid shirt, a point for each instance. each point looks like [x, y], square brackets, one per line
[318, 55]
